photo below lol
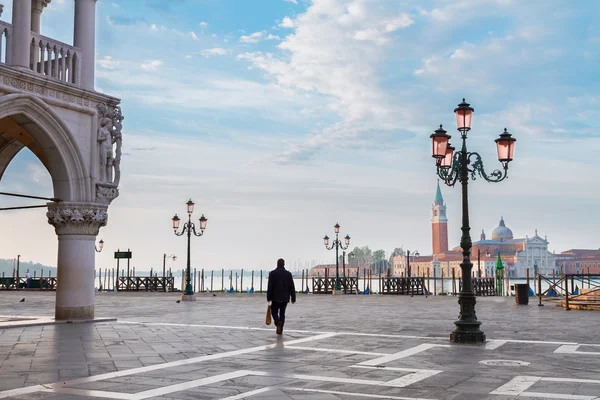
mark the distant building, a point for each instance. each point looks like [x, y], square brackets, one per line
[517, 255]
[578, 261]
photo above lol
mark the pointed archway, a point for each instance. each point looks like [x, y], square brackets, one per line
[27, 121]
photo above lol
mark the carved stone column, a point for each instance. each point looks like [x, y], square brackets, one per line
[84, 37]
[77, 225]
[37, 7]
[21, 37]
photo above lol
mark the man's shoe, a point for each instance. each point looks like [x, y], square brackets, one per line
[279, 330]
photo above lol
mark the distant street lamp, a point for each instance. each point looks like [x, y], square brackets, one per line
[190, 228]
[459, 166]
[487, 254]
[415, 254]
[165, 257]
[100, 246]
[337, 244]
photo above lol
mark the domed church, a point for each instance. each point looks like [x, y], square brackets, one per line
[517, 254]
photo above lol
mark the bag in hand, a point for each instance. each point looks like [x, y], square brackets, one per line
[268, 319]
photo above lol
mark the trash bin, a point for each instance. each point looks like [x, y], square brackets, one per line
[522, 293]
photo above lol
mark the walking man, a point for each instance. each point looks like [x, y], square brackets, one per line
[280, 289]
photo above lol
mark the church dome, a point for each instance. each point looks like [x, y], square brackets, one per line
[502, 233]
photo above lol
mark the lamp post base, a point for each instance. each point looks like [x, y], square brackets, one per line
[188, 297]
[337, 292]
[460, 335]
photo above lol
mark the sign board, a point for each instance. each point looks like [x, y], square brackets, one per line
[122, 254]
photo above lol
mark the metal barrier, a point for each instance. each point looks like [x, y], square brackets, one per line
[326, 285]
[146, 284]
[481, 286]
[8, 283]
[404, 286]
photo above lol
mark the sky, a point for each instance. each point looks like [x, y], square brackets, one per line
[280, 118]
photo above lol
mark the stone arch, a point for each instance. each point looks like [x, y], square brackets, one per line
[45, 134]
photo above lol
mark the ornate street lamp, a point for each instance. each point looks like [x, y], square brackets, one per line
[337, 244]
[100, 246]
[487, 254]
[414, 254]
[190, 228]
[460, 166]
[165, 257]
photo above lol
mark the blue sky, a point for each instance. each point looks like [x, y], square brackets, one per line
[281, 118]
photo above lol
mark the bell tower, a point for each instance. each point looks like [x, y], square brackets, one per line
[439, 224]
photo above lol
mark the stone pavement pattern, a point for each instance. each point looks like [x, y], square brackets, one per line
[345, 347]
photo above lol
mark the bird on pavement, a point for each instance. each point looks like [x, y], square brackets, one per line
[178, 301]
[22, 300]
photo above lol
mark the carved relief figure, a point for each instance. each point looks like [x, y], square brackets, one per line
[106, 148]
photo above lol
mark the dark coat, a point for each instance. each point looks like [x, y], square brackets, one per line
[281, 286]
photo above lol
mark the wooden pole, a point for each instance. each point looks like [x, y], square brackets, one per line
[442, 272]
[252, 284]
[236, 280]
[242, 281]
[222, 279]
[539, 290]
[453, 283]
[194, 280]
[202, 288]
[566, 286]
[527, 276]
[428, 271]
[507, 282]
[211, 280]
[261, 279]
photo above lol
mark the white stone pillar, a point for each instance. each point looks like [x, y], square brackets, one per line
[37, 6]
[77, 226]
[21, 38]
[84, 37]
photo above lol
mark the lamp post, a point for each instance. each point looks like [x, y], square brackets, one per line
[415, 254]
[165, 256]
[190, 228]
[337, 244]
[459, 167]
[487, 254]
[100, 246]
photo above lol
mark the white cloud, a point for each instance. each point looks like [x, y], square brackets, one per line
[203, 25]
[330, 53]
[152, 65]
[291, 1]
[108, 62]
[252, 38]
[217, 51]
[287, 23]
[193, 35]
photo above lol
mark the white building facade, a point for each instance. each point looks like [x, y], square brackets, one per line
[48, 104]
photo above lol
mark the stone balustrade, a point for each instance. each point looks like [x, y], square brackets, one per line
[55, 59]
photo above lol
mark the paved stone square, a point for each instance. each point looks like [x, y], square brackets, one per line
[333, 347]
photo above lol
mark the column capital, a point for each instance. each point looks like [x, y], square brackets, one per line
[39, 5]
[77, 218]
